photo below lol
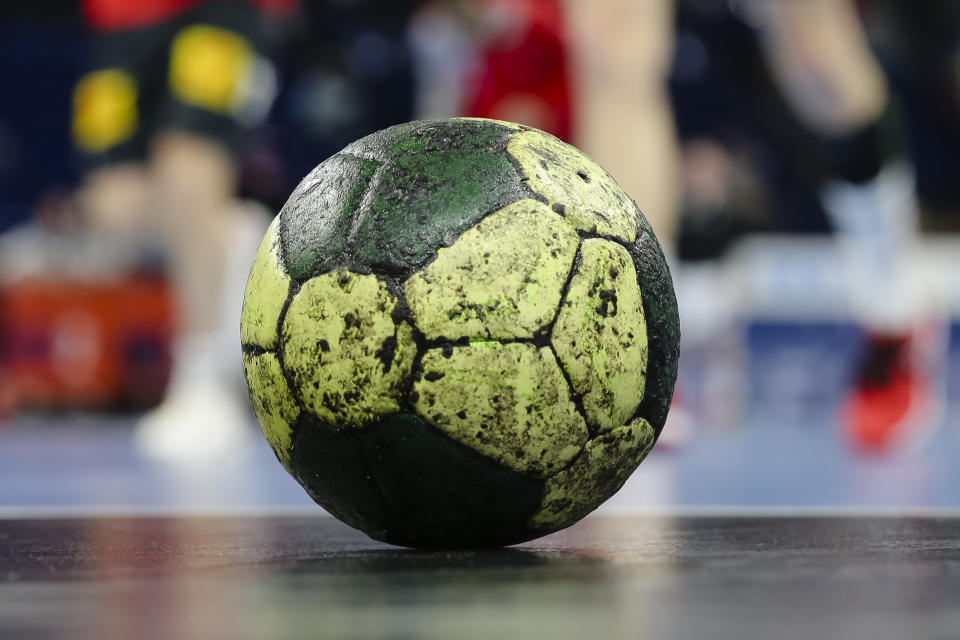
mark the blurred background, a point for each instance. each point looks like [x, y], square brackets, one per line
[803, 181]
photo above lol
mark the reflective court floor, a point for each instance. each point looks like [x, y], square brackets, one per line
[607, 577]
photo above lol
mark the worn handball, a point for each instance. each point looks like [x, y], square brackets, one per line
[460, 333]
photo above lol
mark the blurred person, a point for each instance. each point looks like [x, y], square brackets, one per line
[820, 58]
[174, 87]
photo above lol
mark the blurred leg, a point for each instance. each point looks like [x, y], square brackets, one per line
[193, 182]
[194, 210]
[821, 59]
[621, 58]
[216, 89]
[114, 199]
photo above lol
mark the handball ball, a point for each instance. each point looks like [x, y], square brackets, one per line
[460, 333]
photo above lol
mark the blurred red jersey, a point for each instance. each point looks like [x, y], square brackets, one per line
[119, 15]
[523, 70]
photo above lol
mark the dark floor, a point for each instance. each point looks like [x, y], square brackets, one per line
[619, 577]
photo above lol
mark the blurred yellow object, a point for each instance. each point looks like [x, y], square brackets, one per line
[208, 66]
[104, 109]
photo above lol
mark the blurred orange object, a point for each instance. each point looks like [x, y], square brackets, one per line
[89, 345]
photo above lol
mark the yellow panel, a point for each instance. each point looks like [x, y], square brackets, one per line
[273, 402]
[598, 473]
[575, 185]
[601, 334]
[267, 289]
[507, 401]
[503, 278]
[342, 350]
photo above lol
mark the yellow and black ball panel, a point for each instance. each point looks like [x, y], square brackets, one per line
[347, 360]
[662, 322]
[503, 278]
[274, 404]
[574, 185]
[332, 466]
[509, 402]
[402, 481]
[601, 335]
[388, 202]
[599, 472]
[268, 287]
[318, 216]
[579, 189]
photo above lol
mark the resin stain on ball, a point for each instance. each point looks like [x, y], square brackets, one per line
[460, 333]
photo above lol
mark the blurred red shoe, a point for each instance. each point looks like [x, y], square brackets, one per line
[895, 403]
